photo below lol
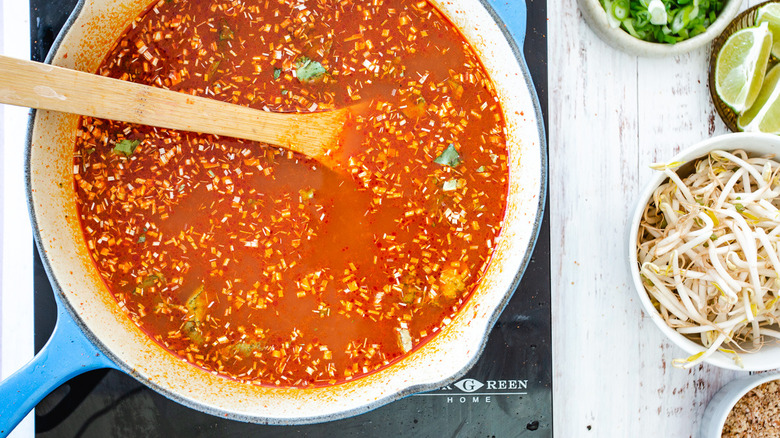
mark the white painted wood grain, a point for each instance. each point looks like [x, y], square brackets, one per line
[611, 114]
[16, 251]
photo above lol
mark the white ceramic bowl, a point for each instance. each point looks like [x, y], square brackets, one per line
[724, 400]
[597, 19]
[768, 357]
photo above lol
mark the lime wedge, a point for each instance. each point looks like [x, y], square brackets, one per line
[764, 115]
[741, 65]
[770, 14]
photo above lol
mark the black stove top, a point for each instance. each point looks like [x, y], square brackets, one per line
[508, 392]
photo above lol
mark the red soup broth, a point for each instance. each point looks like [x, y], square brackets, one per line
[263, 265]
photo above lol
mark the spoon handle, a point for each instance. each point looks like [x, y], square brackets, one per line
[44, 86]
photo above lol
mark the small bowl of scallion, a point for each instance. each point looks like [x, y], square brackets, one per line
[658, 27]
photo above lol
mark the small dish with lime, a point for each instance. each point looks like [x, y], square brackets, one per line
[744, 72]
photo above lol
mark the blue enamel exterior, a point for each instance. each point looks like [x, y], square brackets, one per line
[71, 352]
[68, 353]
[513, 15]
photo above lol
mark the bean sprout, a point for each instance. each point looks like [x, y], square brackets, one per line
[708, 253]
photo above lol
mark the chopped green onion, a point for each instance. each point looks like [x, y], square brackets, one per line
[662, 21]
[620, 9]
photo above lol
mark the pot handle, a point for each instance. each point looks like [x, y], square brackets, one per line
[67, 354]
[513, 14]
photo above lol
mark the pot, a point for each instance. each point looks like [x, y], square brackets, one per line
[93, 332]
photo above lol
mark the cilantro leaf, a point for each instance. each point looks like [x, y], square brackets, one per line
[225, 33]
[415, 109]
[127, 147]
[197, 304]
[150, 280]
[277, 73]
[450, 184]
[212, 72]
[307, 70]
[306, 194]
[449, 157]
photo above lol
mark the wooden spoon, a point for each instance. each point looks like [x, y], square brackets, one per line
[44, 86]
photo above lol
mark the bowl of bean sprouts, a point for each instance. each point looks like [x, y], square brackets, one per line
[703, 251]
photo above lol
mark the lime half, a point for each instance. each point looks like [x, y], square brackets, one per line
[764, 115]
[741, 65]
[770, 14]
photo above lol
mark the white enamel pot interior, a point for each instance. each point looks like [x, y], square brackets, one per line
[88, 37]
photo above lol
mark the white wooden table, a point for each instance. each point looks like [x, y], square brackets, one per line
[610, 114]
[16, 252]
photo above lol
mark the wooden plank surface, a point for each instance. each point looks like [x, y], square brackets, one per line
[611, 114]
[16, 248]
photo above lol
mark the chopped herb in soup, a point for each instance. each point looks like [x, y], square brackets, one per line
[263, 265]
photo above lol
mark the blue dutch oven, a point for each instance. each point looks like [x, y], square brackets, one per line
[93, 332]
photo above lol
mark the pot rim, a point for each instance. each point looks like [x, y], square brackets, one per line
[408, 390]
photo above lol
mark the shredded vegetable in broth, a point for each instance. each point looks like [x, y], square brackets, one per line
[259, 264]
[708, 253]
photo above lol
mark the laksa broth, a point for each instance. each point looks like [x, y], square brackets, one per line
[263, 265]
